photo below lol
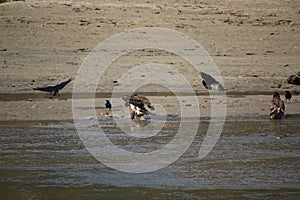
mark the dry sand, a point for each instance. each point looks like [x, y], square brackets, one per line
[255, 45]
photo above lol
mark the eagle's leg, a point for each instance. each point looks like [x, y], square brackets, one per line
[132, 114]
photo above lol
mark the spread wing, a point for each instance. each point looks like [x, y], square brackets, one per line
[62, 85]
[45, 89]
[53, 89]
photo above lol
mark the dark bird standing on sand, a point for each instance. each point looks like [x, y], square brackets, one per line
[54, 90]
[288, 95]
[108, 105]
[137, 105]
[276, 107]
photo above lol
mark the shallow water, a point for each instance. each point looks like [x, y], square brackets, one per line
[253, 158]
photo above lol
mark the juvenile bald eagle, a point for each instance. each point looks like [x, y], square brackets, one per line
[277, 107]
[54, 90]
[137, 105]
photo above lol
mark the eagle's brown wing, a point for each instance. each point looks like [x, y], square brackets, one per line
[144, 100]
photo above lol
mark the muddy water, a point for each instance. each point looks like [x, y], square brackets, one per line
[253, 158]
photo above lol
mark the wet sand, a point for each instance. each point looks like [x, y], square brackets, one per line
[60, 108]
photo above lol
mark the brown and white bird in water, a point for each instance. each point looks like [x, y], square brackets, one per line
[137, 105]
[54, 90]
[277, 107]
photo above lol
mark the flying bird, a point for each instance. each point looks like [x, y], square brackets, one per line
[211, 83]
[108, 105]
[277, 107]
[288, 95]
[54, 90]
[137, 105]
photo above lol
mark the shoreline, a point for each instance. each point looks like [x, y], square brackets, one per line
[41, 109]
[14, 96]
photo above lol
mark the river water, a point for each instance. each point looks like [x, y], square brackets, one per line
[253, 158]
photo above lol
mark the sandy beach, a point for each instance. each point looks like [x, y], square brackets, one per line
[255, 46]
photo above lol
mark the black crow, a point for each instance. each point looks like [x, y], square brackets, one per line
[288, 95]
[277, 107]
[54, 90]
[108, 105]
[137, 105]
